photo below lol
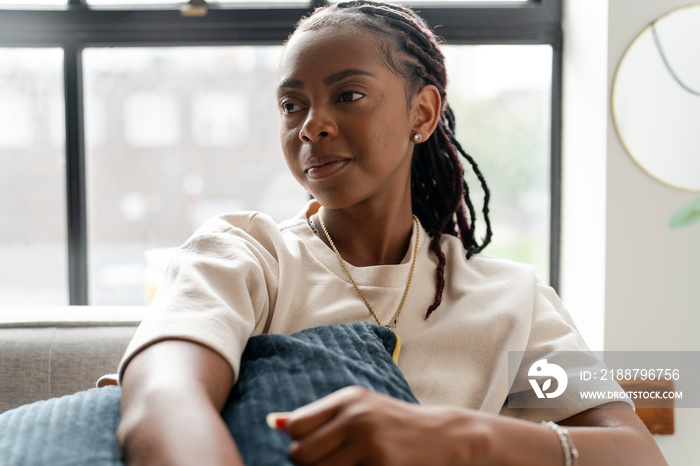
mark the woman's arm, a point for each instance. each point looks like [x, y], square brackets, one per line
[613, 435]
[624, 439]
[355, 426]
[172, 395]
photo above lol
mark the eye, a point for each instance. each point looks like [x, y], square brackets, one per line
[288, 107]
[349, 96]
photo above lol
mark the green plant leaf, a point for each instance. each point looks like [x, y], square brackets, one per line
[686, 215]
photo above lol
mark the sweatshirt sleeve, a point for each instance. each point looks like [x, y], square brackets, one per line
[554, 344]
[219, 286]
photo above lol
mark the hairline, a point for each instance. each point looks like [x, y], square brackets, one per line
[387, 42]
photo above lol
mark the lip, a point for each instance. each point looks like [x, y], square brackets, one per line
[323, 166]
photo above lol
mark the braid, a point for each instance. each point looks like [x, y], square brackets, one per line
[439, 192]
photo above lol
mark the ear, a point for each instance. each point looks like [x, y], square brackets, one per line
[425, 111]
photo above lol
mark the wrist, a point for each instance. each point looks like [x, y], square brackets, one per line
[509, 441]
[569, 450]
[471, 436]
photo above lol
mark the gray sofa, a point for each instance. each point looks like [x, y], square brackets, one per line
[54, 351]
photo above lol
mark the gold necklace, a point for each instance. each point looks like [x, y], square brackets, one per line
[347, 272]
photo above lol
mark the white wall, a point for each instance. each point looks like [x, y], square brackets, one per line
[621, 262]
[582, 284]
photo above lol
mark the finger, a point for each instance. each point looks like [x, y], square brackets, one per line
[354, 424]
[343, 454]
[318, 444]
[308, 418]
[346, 456]
[277, 421]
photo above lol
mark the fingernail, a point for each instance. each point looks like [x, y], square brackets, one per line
[277, 421]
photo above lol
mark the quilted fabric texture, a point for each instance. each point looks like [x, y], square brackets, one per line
[282, 373]
[72, 430]
[278, 373]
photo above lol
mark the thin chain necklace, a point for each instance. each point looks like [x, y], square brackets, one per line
[347, 272]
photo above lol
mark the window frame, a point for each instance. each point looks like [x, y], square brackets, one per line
[78, 26]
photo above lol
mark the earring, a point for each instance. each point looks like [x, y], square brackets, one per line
[417, 137]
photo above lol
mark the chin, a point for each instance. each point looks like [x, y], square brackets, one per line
[334, 197]
[334, 202]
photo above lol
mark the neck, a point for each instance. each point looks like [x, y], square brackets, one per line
[366, 238]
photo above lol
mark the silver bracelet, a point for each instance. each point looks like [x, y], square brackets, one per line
[567, 445]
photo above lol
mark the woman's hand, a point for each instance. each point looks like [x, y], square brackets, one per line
[356, 426]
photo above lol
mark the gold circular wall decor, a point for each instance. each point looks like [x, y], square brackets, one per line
[656, 99]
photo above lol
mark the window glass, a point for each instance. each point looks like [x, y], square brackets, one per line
[175, 136]
[283, 3]
[31, 3]
[501, 97]
[436, 2]
[133, 2]
[33, 251]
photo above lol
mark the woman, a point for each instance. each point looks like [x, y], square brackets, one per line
[365, 128]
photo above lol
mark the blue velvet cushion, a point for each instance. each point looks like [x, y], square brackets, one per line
[278, 373]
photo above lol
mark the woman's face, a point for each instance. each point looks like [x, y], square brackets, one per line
[345, 128]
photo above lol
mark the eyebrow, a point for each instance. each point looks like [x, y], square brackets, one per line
[332, 79]
[291, 83]
[339, 76]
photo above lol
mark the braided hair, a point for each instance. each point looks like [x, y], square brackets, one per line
[439, 192]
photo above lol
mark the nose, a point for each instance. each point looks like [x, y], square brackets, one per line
[318, 124]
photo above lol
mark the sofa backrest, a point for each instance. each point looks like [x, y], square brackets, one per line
[55, 351]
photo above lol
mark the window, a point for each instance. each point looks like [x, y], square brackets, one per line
[32, 3]
[170, 144]
[501, 97]
[33, 248]
[120, 141]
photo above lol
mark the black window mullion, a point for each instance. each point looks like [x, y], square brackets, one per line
[75, 175]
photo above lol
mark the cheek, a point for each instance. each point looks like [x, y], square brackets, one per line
[289, 142]
[389, 132]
